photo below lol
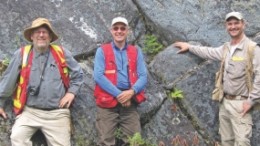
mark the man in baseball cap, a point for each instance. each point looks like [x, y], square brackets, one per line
[120, 76]
[237, 85]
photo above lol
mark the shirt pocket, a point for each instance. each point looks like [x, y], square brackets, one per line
[236, 69]
[53, 71]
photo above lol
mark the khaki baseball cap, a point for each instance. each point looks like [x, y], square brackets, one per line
[119, 19]
[236, 15]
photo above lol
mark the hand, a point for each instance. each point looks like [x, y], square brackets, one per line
[127, 103]
[246, 107]
[66, 101]
[2, 113]
[125, 96]
[183, 46]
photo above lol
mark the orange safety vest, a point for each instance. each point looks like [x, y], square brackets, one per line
[20, 96]
[104, 99]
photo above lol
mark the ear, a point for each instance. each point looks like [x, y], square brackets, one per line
[111, 30]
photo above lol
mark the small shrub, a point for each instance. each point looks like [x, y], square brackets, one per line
[152, 45]
[137, 140]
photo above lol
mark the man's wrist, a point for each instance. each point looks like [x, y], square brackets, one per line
[133, 91]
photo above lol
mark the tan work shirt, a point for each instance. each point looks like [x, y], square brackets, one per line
[234, 80]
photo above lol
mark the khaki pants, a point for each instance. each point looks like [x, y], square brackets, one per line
[54, 124]
[235, 130]
[109, 120]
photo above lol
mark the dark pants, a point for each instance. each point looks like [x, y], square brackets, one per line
[108, 121]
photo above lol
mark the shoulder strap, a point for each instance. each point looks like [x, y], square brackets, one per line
[58, 55]
[225, 49]
[132, 52]
[25, 52]
[108, 52]
[109, 55]
[249, 66]
[110, 64]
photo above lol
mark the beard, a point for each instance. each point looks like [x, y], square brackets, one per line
[42, 47]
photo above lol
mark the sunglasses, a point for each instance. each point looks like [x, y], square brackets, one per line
[117, 28]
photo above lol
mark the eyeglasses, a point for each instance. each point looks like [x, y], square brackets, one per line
[38, 32]
[117, 28]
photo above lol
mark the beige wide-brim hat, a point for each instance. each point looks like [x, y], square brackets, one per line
[37, 23]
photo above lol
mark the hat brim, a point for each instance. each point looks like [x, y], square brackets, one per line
[233, 17]
[28, 31]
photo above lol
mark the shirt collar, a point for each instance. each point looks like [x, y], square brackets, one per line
[115, 47]
[37, 53]
[241, 44]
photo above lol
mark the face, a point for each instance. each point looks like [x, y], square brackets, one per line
[41, 38]
[235, 27]
[119, 32]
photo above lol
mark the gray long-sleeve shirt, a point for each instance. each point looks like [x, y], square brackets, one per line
[52, 88]
[234, 80]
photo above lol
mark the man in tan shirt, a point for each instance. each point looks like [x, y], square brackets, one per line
[234, 114]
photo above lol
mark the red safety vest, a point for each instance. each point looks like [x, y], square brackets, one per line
[20, 96]
[104, 99]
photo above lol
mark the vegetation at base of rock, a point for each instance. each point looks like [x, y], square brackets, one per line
[137, 140]
[3, 65]
[176, 94]
[151, 45]
[118, 133]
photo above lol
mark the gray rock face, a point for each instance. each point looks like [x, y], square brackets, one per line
[83, 26]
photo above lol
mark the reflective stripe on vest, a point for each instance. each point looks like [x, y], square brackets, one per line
[104, 99]
[27, 57]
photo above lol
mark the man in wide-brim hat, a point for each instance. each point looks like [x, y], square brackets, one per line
[45, 90]
[37, 23]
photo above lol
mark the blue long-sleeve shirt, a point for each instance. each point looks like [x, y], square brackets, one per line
[122, 72]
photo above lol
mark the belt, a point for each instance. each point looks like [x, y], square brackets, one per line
[235, 97]
[44, 109]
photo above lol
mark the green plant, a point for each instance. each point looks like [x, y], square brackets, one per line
[151, 45]
[118, 133]
[137, 140]
[6, 61]
[3, 65]
[176, 94]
